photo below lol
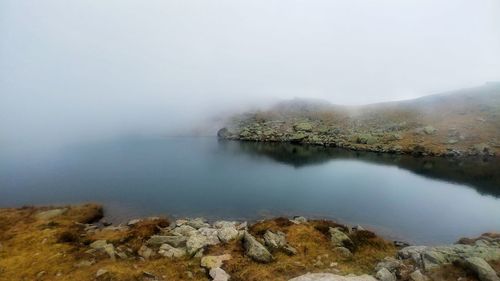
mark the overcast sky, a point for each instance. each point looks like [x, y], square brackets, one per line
[72, 69]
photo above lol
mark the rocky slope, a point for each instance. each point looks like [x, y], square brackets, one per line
[460, 123]
[74, 243]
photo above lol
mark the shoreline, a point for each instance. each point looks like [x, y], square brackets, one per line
[75, 243]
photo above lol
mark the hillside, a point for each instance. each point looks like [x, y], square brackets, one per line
[459, 123]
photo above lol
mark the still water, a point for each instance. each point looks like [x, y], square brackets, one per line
[420, 200]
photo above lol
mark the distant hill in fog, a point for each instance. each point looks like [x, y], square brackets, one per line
[455, 123]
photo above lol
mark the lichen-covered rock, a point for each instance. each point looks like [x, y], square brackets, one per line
[339, 238]
[274, 240]
[428, 257]
[174, 240]
[385, 275]
[218, 274]
[168, 251]
[255, 250]
[214, 261]
[483, 270]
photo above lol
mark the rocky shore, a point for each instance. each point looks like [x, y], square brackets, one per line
[458, 124]
[75, 243]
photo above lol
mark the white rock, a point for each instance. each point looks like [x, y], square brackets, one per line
[219, 274]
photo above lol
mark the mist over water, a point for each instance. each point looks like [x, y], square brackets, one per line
[78, 71]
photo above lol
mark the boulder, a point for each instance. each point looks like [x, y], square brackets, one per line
[218, 274]
[483, 270]
[389, 263]
[145, 252]
[332, 277]
[299, 220]
[174, 240]
[385, 275]
[227, 234]
[210, 262]
[339, 238]
[418, 276]
[168, 251]
[428, 257]
[429, 130]
[274, 241]
[255, 250]
[183, 230]
[198, 223]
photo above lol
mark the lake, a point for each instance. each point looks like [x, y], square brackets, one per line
[420, 200]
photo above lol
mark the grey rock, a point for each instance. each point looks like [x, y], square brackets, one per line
[343, 251]
[332, 277]
[201, 239]
[431, 257]
[273, 240]
[214, 261]
[219, 274]
[429, 130]
[183, 230]
[227, 233]
[389, 263]
[222, 224]
[173, 240]
[385, 275]
[338, 238]
[145, 252]
[255, 250]
[418, 276]
[299, 220]
[483, 270]
[101, 272]
[168, 251]
[197, 223]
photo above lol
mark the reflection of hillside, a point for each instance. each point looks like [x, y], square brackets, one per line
[480, 174]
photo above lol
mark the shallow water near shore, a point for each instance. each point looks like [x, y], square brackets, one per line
[421, 200]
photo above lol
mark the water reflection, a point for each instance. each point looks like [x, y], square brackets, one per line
[481, 174]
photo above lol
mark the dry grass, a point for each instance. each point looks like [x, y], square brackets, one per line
[33, 249]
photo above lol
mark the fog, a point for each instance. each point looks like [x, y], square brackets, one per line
[89, 70]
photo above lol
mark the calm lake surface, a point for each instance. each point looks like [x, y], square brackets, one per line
[420, 200]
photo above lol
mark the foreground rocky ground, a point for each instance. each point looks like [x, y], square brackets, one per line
[75, 243]
[456, 124]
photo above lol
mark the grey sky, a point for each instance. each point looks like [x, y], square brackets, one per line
[93, 68]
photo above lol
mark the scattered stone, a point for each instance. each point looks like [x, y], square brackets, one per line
[418, 276]
[218, 274]
[483, 270]
[343, 251]
[98, 244]
[133, 222]
[183, 230]
[40, 274]
[274, 241]
[298, 220]
[227, 233]
[332, 277]
[196, 242]
[255, 250]
[198, 223]
[168, 251]
[47, 215]
[429, 130]
[101, 272]
[174, 240]
[385, 275]
[389, 263]
[289, 250]
[210, 262]
[339, 238]
[145, 252]
[84, 263]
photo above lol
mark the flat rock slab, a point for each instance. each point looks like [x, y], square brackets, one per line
[47, 215]
[332, 277]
